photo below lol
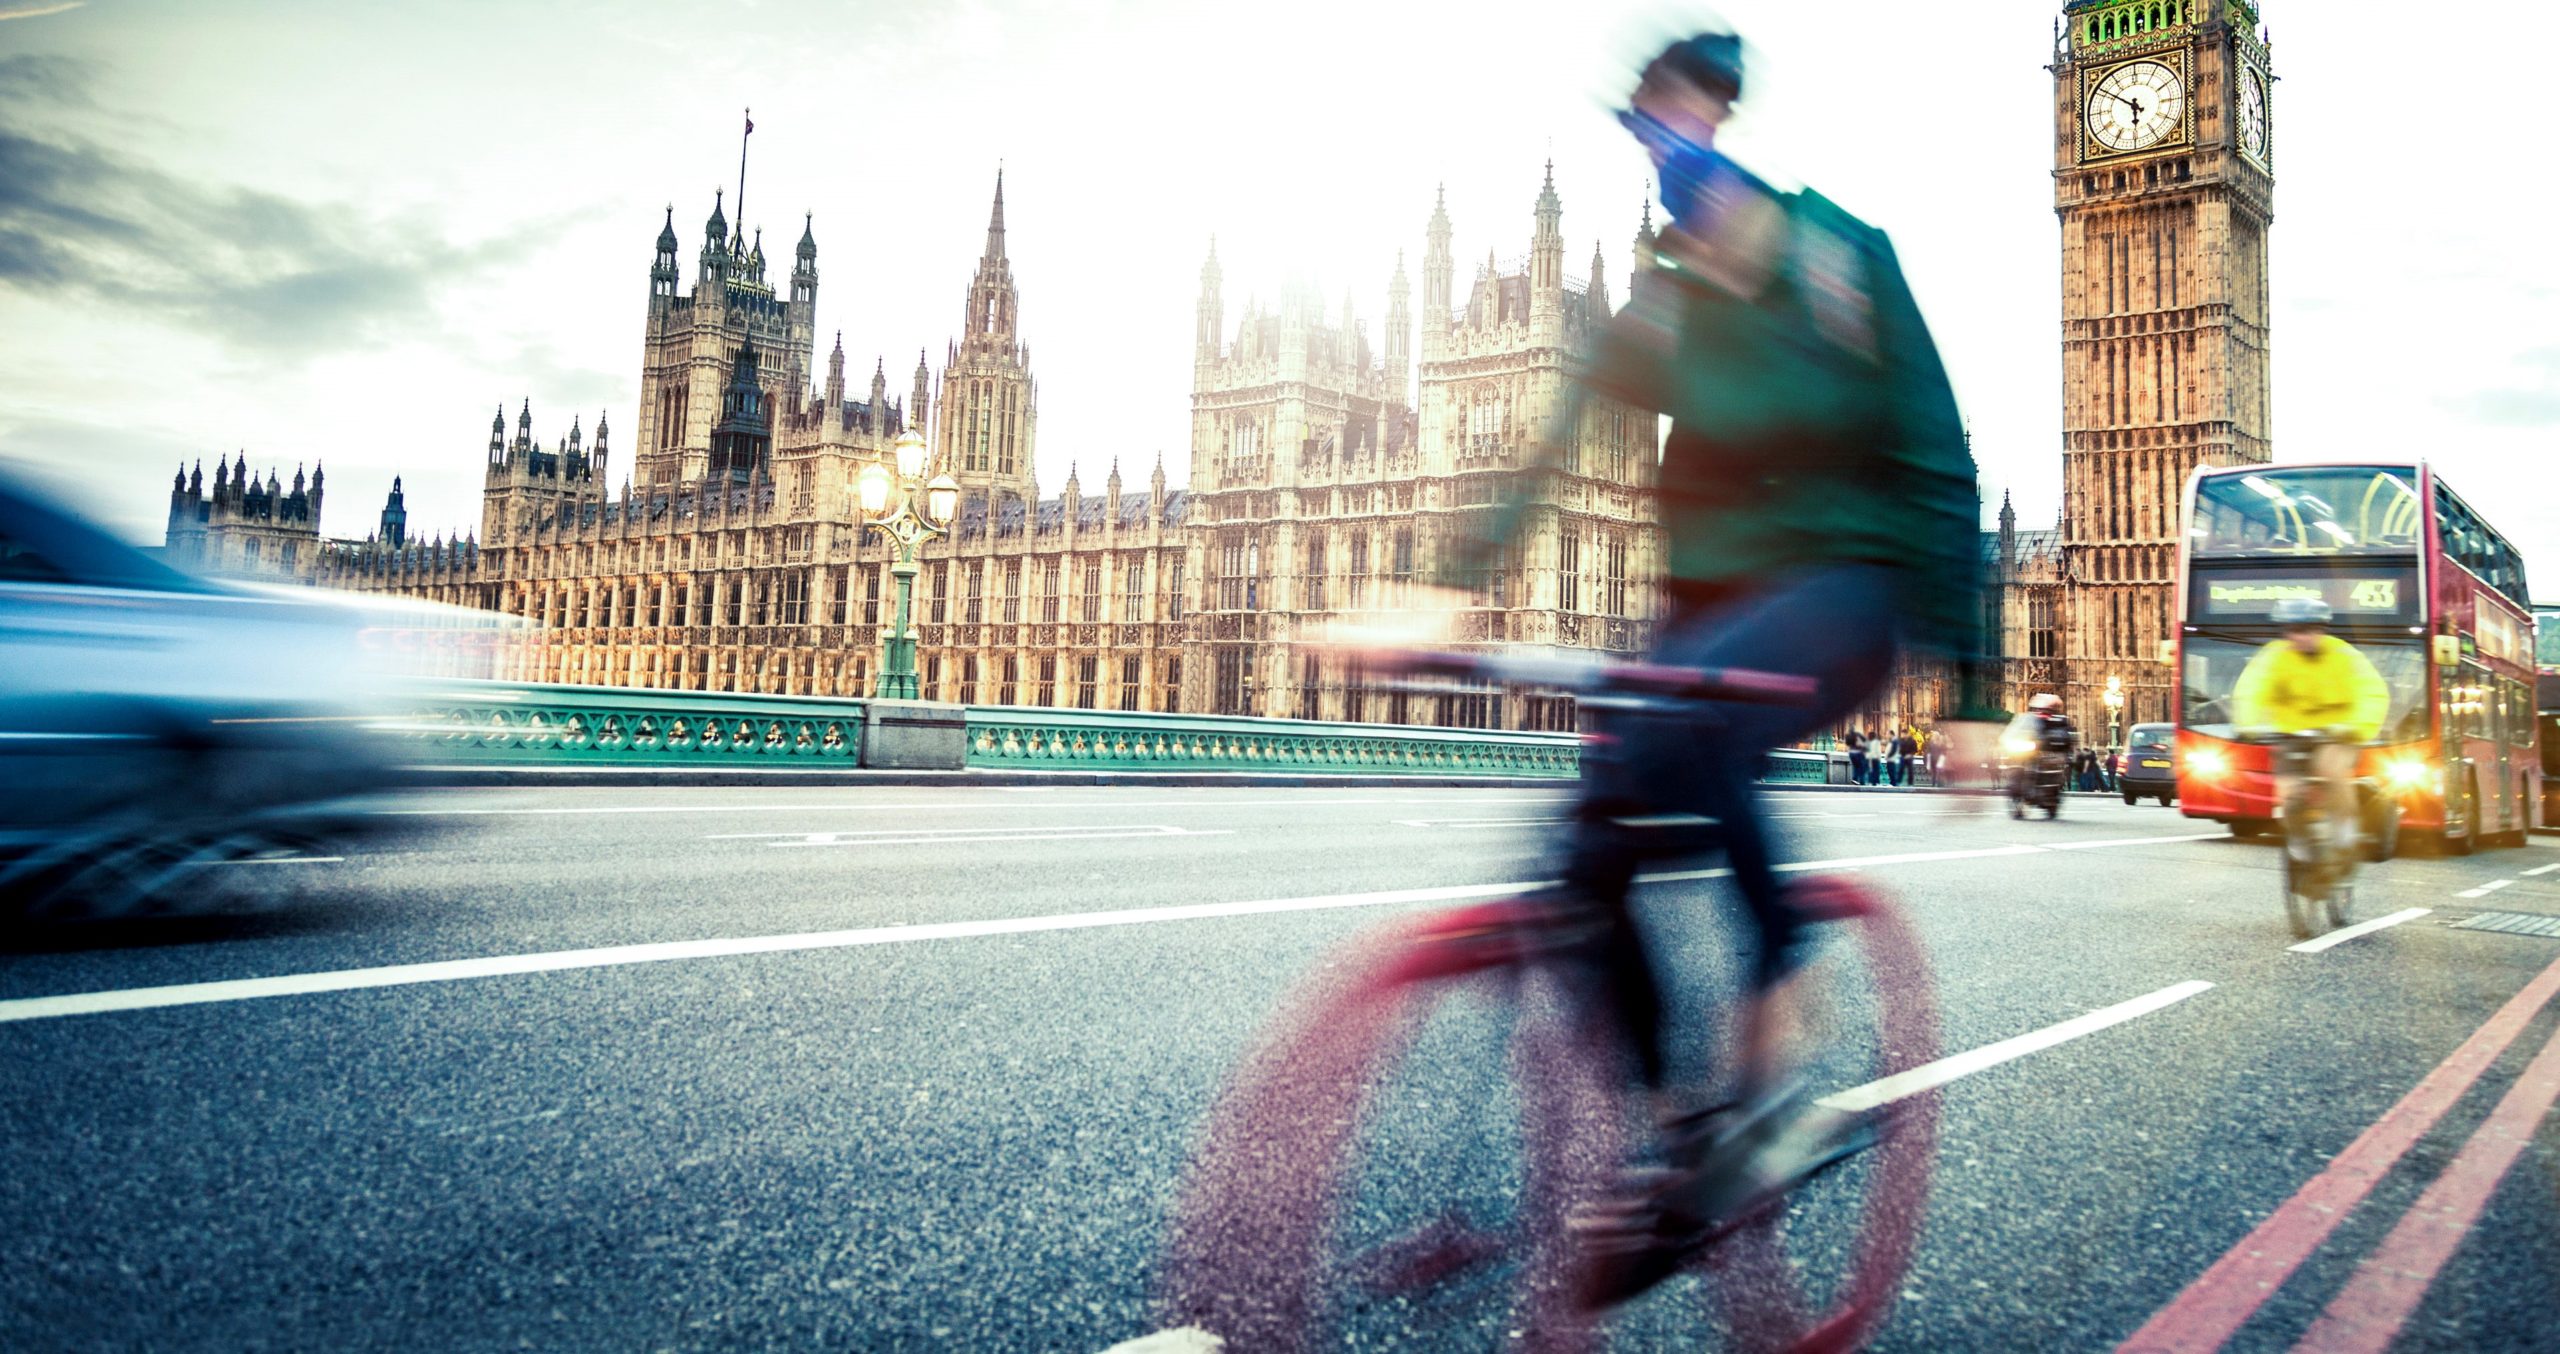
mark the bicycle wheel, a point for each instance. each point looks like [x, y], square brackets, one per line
[1298, 1228]
[1822, 1270]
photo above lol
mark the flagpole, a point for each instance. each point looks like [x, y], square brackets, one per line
[742, 170]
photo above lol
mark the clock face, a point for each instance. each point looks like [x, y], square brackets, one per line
[2138, 105]
[2253, 113]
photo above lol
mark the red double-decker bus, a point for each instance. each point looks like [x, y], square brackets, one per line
[2417, 581]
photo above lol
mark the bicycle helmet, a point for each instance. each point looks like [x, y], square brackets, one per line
[1711, 61]
[2294, 611]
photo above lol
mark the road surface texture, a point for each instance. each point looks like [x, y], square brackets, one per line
[898, 1069]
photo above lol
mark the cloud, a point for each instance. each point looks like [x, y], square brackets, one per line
[37, 11]
[261, 273]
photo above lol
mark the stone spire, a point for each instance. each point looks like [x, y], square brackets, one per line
[995, 222]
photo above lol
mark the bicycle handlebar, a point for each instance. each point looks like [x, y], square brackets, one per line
[1652, 679]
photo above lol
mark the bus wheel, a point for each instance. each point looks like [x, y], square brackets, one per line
[2468, 840]
[2522, 832]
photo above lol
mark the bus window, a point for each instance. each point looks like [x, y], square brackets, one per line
[2315, 510]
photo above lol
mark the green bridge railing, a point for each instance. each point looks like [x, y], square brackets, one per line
[478, 723]
[473, 723]
[1053, 740]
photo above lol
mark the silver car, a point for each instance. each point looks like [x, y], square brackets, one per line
[157, 729]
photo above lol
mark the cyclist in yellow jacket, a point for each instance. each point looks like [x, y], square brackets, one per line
[2311, 681]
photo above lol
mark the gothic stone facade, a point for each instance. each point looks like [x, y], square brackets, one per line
[732, 558]
[1321, 495]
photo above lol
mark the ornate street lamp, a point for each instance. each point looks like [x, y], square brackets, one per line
[2114, 699]
[877, 489]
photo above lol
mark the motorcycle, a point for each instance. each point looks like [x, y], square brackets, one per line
[2039, 767]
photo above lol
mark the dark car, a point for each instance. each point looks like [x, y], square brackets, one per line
[2150, 772]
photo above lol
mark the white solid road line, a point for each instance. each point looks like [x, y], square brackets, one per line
[2485, 890]
[2542, 869]
[280, 860]
[866, 806]
[614, 956]
[1929, 1076]
[1480, 822]
[2136, 841]
[2362, 928]
[938, 836]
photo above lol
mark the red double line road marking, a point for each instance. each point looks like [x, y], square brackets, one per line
[2386, 1288]
[2225, 1296]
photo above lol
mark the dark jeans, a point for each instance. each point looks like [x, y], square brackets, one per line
[1857, 768]
[1893, 770]
[1834, 625]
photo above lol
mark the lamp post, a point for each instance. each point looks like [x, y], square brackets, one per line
[878, 489]
[2115, 711]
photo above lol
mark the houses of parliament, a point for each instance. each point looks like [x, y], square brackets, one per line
[1327, 471]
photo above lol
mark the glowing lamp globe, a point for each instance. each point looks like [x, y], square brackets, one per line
[872, 487]
[942, 500]
[911, 455]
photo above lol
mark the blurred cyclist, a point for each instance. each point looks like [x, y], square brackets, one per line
[1818, 510]
[2311, 681]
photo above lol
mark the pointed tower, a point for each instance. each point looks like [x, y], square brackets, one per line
[715, 244]
[596, 453]
[394, 530]
[835, 376]
[1644, 247]
[1399, 330]
[1438, 267]
[2008, 537]
[880, 391]
[1209, 323]
[662, 271]
[1597, 299]
[804, 276]
[1546, 262]
[915, 410]
[988, 421]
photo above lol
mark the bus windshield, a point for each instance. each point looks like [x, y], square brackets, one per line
[2315, 510]
[2213, 665]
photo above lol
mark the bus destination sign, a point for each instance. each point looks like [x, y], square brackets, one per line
[2351, 595]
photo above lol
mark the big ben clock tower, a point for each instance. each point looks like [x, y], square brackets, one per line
[2164, 178]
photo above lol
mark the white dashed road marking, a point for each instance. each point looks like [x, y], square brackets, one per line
[1929, 1076]
[2485, 890]
[614, 956]
[2363, 928]
[2543, 869]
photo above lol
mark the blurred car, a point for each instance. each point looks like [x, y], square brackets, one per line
[2149, 771]
[156, 726]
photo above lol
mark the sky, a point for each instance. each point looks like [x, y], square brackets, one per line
[345, 232]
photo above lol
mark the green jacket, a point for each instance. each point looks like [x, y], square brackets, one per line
[1813, 426]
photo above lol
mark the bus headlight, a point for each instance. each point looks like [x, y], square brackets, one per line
[2208, 763]
[2404, 774]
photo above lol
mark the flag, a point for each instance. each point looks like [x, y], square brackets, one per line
[751, 122]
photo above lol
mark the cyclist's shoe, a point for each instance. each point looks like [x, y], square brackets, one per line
[1729, 1165]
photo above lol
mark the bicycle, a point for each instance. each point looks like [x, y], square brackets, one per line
[1296, 1216]
[2319, 854]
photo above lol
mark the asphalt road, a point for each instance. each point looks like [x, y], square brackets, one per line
[642, 1069]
